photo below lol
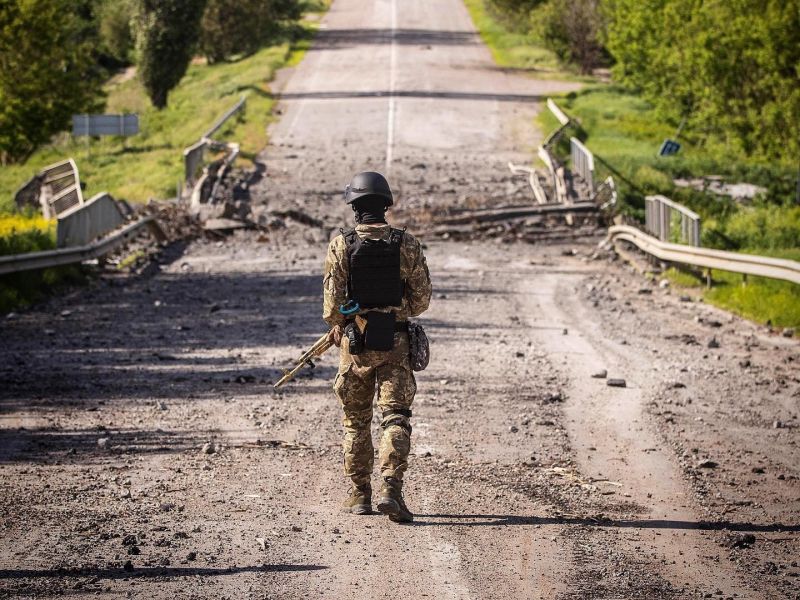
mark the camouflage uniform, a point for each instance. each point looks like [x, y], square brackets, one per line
[389, 371]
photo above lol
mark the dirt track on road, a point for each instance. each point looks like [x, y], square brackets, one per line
[139, 422]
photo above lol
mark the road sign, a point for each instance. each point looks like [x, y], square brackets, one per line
[95, 125]
[668, 148]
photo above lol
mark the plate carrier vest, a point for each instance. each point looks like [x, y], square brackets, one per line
[374, 270]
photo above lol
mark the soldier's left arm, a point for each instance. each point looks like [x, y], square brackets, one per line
[418, 283]
[335, 283]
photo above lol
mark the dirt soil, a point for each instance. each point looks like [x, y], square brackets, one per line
[145, 454]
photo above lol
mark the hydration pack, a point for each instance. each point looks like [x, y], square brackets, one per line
[374, 280]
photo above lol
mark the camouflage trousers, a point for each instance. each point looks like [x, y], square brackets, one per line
[355, 385]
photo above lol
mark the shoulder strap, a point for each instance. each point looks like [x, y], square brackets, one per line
[351, 240]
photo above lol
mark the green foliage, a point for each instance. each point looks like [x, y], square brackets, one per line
[771, 227]
[115, 27]
[166, 37]
[732, 68]
[767, 301]
[22, 233]
[19, 234]
[240, 27]
[513, 14]
[150, 164]
[572, 29]
[47, 72]
[512, 47]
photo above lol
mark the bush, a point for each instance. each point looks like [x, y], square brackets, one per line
[231, 28]
[166, 36]
[572, 29]
[48, 72]
[116, 29]
[770, 227]
[19, 234]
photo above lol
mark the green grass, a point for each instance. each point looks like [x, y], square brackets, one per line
[29, 233]
[514, 50]
[766, 301]
[150, 164]
[624, 131]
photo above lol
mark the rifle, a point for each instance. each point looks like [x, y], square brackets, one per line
[322, 345]
[319, 348]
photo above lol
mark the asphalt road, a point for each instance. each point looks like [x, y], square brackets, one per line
[145, 454]
[406, 88]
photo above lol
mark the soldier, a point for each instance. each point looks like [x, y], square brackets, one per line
[376, 278]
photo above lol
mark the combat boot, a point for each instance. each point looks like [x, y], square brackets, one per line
[391, 501]
[359, 501]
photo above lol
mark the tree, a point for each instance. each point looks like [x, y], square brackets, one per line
[240, 27]
[167, 34]
[115, 19]
[732, 68]
[572, 29]
[47, 72]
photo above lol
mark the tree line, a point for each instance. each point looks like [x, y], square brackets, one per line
[55, 55]
[727, 69]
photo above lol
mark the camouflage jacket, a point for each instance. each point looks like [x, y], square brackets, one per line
[413, 270]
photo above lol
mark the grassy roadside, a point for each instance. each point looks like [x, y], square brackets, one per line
[624, 131]
[767, 301]
[150, 164]
[514, 50]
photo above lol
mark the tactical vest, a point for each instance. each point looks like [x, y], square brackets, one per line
[374, 265]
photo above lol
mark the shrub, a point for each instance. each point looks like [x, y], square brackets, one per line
[572, 29]
[240, 27]
[167, 33]
[770, 227]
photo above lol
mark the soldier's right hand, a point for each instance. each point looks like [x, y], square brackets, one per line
[335, 335]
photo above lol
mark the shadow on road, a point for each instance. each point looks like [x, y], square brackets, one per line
[334, 95]
[498, 520]
[141, 572]
[339, 39]
[174, 335]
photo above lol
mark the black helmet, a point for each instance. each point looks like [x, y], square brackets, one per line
[366, 184]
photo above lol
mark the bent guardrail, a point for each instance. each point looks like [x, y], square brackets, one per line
[31, 261]
[745, 264]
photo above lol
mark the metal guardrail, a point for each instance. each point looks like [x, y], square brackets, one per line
[30, 261]
[606, 193]
[194, 155]
[533, 179]
[557, 181]
[193, 159]
[562, 118]
[85, 222]
[56, 188]
[582, 162]
[659, 214]
[746, 264]
[238, 107]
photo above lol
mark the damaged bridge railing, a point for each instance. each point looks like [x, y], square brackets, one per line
[202, 179]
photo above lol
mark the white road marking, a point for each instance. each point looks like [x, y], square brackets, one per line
[392, 86]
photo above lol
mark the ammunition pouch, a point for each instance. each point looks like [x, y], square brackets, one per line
[355, 339]
[380, 331]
